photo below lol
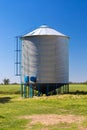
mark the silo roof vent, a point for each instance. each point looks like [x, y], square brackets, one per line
[44, 26]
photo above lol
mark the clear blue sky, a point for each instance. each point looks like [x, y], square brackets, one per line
[67, 16]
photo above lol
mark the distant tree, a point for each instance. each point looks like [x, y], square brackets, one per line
[6, 81]
[70, 82]
[85, 82]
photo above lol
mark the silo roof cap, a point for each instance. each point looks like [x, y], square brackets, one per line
[44, 26]
[44, 30]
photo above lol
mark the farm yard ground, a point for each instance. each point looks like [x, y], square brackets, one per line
[64, 111]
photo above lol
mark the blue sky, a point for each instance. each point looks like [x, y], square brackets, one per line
[67, 16]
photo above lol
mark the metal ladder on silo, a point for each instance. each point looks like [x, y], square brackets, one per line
[18, 61]
[18, 57]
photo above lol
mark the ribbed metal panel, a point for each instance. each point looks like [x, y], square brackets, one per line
[62, 60]
[45, 57]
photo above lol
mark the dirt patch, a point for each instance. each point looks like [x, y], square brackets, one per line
[82, 128]
[52, 119]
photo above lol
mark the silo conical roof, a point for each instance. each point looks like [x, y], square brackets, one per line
[44, 30]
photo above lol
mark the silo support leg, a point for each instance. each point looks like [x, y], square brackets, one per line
[38, 90]
[67, 88]
[24, 91]
[59, 90]
[56, 89]
[21, 90]
[31, 91]
[47, 90]
[64, 88]
[28, 91]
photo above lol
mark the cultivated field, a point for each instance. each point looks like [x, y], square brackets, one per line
[60, 112]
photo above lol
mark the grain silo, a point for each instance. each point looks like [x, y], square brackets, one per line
[45, 61]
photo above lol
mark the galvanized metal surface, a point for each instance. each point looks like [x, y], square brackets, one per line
[45, 57]
[44, 30]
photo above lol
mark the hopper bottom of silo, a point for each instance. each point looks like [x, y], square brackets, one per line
[48, 87]
[38, 89]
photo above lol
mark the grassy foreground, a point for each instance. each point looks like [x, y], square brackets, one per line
[12, 107]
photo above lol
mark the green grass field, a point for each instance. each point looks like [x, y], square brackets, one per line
[14, 109]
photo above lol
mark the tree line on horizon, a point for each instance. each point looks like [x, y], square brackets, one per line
[6, 81]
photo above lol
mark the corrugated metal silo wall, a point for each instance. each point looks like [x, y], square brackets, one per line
[45, 57]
